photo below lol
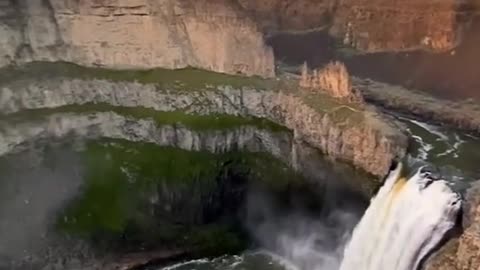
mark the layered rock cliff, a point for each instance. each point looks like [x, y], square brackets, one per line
[224, 36]
[94, 125]
[360, 137]
[244, 137]
[379, 25]
[137, 34]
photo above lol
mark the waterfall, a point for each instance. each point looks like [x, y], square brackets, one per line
[404, 222]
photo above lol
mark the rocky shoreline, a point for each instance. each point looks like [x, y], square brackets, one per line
[460, 115]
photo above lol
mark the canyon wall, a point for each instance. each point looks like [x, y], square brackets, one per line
[223, 36]
[370, 143]
[246, 138]
[372, 26]
[137, 34]
[94, 125]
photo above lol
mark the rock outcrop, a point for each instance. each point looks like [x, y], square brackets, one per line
[223, 36]
[96, 125]
[137, 34]
[462, 252]
[280, 144]
[372, 26]
[359, 138]
[333, 80]
[85, 128]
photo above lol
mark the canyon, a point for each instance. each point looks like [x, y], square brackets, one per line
[133, 34]
[224, 58]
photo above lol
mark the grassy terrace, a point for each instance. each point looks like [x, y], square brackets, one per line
[183, 79]
[195, 122]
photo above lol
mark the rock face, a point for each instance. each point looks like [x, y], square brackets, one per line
[135, 34]
[60, 126]
[221, 35]
[389, 25]
[333, 79]
[279, 144]
[112, 125]
[371, 145]
[462, 253]
[378, 25]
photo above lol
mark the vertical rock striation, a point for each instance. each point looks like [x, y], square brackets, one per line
[333, 79]
[135, 34]
[378, 25]
[383, 25]
[359, 138]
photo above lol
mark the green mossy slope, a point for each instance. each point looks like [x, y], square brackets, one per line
[144, 195]
[195, 122]
[184, 79]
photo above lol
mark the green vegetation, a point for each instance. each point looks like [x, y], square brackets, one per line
[193, 121]
[182, 79]
[340, 112]
[141, 194]
[120, 174]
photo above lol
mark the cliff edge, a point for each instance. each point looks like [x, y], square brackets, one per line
[138, 34]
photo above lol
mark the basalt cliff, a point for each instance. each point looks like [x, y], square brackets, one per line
[378, 25]
[344, 131]
[137, 34]
[220, 35]
[122, 53]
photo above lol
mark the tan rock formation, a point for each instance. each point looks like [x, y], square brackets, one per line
[219, 35]
[369, 25]
[463, 252]
[381, 25]
[333, 79]
[134, 34]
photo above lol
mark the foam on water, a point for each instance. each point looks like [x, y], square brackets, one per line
[430, 128]
[425, 148]
[404, 222]
[251, 260]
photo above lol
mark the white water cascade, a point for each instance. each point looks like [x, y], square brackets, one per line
[404, 222]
